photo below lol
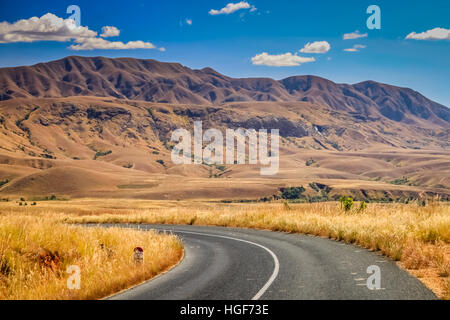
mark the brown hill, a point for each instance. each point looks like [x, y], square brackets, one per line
[154, 81]
[98, 127]
[103, 147]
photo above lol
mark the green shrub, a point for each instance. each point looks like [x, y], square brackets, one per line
[401, 181]
[421, 203]
[221, 167]
[346, 203]
[3, 182]
[102, 154]
[292, 193]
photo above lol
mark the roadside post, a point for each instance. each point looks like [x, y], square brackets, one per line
[138, 255]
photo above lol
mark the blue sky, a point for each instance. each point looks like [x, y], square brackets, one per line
[227, 42]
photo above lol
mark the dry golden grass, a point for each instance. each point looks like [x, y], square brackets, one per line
[417, 237]
[105, 257]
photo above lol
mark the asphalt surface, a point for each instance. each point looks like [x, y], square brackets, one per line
[241, 264]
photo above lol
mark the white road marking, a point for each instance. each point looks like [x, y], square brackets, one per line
[275, 259]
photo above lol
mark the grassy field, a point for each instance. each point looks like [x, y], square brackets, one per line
[35, 253]
[417, 237]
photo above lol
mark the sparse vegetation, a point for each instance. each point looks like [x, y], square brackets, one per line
[310, 162]
[402, 181]
[161, 162]
[3, 182]
[221, 168]
[292, 193]
[48, 198]
[102, 154]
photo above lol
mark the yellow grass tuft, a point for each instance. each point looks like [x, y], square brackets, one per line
[105, 257]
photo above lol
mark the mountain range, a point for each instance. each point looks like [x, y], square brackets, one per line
[154, 81]
[100, 127]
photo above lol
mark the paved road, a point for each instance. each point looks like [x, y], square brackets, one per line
[240, 264]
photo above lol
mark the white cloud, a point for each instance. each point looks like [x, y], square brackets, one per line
[354, 35]
[232, 7]
[109, 31]
[49, 27]
[355, 48]
[281, 60]
[46, 28]
[316, 47]
[99, 43]
[433, 34]
[189, 21]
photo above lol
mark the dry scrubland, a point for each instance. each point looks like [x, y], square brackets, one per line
[36, 251]
[418, 237]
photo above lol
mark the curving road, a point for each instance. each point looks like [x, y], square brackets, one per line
[241, 264]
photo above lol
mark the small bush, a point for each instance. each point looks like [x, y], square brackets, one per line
[346, 203]
[161, 162]
[3, 182]
[221, 167]
[421, 202]
[362, 206]
[401, 181]
[310, 162]
[102, 154]
[292, 193]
